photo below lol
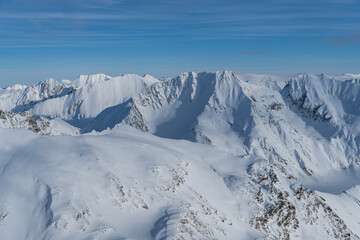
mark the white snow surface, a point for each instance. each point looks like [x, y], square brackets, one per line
[199, 156]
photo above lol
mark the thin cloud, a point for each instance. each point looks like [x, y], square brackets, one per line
[337, 41]
[351, 39]
[252, 53]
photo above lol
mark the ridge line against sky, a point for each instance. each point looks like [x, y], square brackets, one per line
[63, 39]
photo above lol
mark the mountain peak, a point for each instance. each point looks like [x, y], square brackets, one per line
[90, 79]
[304, 75]
[16, 87]
[51, 82]
[226, 73]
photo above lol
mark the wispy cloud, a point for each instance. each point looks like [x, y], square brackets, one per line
[348, 40]
[252, 53]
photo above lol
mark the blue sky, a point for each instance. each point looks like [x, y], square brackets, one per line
[63, 38]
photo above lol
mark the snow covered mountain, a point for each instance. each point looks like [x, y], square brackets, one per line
[266, 158]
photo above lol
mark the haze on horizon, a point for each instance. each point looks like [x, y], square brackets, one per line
[63, 39]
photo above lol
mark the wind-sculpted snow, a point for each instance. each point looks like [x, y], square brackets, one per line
[267, 157]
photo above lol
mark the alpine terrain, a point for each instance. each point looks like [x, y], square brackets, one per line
[199, 156]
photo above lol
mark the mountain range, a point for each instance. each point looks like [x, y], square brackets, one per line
[198, 156]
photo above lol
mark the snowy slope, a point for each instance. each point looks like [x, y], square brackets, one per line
[93, 187]
[98, 189]
[268, 157]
